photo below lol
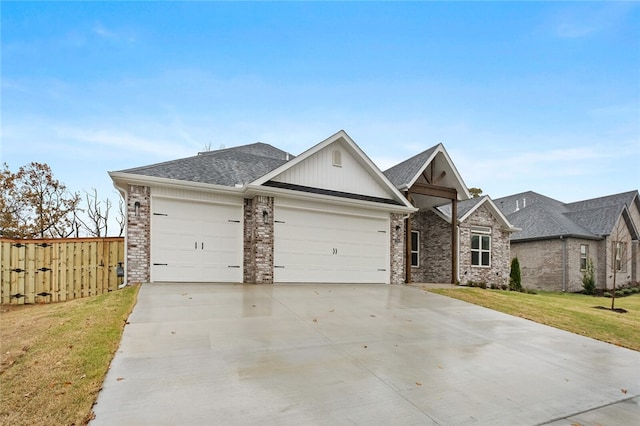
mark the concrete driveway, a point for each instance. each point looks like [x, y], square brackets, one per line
[207, 354]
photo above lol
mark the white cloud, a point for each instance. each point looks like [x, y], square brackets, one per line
[100, 30]
[124, 142]
[583, 19]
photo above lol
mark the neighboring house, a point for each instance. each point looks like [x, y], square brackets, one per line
[475, 250]
[256, 214]
[556, 239]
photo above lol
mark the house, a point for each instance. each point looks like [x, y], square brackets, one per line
[472, 248]
[556, 239]
[257, 214]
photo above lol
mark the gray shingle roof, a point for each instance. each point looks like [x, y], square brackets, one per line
[401, 174]
[463, 206]
[228, 167]
[542, 217]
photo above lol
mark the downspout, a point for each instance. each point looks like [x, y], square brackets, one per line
[564, 263]
[124, 193]
[458, 258]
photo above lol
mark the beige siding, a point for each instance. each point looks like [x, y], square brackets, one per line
[540, 263]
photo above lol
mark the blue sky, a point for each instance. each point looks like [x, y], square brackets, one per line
[541, 96]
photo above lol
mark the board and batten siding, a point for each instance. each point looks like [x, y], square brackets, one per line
[318, 171]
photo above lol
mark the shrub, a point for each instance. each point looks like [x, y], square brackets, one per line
[588, 279]
[506, 287]
[606, 294]
[619, 293]
[530, 291]
[515, 282]
[627, 291]
[635, 290]
[482, 284]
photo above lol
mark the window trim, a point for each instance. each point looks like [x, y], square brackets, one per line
[584, 256]
[417, 249]
[619, 256]
[480, 232]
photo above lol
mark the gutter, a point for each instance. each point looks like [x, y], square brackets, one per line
[564, 263]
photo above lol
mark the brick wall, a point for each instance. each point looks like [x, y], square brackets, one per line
[138, 239]
[397, 251]
[541, 263]
[498, 273]
[435, 248]
[258, 240]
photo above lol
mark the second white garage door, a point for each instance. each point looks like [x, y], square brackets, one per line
[196, 241]
[314, 246]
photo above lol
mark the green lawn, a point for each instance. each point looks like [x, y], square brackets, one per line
[571, 312]
[54, 357]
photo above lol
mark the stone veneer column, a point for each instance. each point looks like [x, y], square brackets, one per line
[138, 234]
[397, 248]
[258, 240]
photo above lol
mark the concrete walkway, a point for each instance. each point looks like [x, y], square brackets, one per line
[207, 354]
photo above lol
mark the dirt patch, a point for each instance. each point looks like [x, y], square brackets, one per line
[618, 310]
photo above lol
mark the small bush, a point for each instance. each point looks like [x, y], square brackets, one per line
[606, 294]
[588, 279]
[619, 293]
[506, 287]
[627, 291]
[530, 291]
[482, 284]
[515, 282]
[635, 290]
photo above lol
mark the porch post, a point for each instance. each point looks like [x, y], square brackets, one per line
[407, 256]
[454, 239]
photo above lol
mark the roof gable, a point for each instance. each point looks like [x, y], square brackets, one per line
[436, 162]
[314, 169]
[466, 208]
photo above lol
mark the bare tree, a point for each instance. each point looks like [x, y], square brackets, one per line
[96, 221]
[121, 219]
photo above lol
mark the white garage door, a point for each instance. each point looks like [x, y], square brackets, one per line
[196, 242]
[312, 246]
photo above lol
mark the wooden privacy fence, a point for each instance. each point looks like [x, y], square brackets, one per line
[54, 270]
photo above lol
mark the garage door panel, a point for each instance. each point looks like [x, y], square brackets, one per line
[196, 242]
[313, 246]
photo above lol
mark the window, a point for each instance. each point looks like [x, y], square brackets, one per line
[415, 248]
[619, 256]
[480, 246]
[584, 254]
[336, 158]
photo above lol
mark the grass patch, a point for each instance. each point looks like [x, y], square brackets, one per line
[576, 313]
[54, 357]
